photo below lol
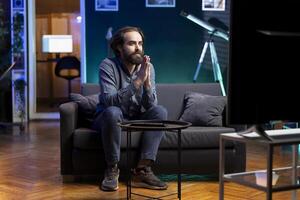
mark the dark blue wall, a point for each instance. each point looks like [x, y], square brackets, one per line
[5, 62]
[173, 42]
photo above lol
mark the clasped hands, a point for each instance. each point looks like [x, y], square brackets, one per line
[144, 73]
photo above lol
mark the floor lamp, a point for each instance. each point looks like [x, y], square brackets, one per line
[56, 44]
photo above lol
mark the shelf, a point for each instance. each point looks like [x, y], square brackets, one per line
[284, 182]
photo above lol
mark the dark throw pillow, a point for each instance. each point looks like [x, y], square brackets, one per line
[87, 106]
[202, 109]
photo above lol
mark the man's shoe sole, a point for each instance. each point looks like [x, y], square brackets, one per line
[107, 189]
[147, 186]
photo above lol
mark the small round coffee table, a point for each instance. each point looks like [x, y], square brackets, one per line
[153, 125]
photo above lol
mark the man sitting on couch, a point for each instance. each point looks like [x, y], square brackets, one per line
[127, 84]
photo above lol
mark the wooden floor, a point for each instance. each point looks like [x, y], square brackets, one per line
[29, 169]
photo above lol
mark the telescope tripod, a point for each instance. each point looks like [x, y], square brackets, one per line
[215, 64]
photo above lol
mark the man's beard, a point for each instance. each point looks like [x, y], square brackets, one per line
[134, 58]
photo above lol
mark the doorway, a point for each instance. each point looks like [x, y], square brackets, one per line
[48, 90]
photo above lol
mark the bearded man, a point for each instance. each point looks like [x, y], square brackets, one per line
[127, 84]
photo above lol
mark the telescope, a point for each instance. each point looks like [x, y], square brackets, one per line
[211, 30]
[209, 44]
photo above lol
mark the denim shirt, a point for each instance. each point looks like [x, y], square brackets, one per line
[117, 89]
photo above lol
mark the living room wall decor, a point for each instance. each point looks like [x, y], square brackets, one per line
[160, 3]
[213, 5]
[173, 43]
[106, 5]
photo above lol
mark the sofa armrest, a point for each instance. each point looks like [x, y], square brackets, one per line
[68, 123]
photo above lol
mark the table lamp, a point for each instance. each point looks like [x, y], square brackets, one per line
[57, 44]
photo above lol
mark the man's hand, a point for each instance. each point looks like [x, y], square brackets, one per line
[147, 82]
[143, 75]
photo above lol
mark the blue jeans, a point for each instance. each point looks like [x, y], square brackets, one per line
[106, 124]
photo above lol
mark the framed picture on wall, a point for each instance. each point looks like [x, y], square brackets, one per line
[213, 5]
[107, 5]
[160, 3]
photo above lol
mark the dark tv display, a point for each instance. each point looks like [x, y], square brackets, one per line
[264, 62]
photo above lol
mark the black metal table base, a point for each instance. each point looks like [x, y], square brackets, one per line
[129, 171]
[157, 125]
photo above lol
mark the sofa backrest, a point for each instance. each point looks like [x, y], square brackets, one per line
[169, 95]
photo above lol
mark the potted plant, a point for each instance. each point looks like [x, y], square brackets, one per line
[19, 88]
[14, 52]
[18, 32]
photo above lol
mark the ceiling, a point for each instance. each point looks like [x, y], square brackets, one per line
[57, 6]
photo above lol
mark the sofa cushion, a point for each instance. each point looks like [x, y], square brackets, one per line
[87, 103]
[192, 137]
[85, 138]
[196, 137]
[170, 95]
[86, 106]
[202, 109]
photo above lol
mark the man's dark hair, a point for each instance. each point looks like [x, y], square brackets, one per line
[118, 37]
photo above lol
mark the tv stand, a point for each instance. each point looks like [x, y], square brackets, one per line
[257, 129]
[288, 175]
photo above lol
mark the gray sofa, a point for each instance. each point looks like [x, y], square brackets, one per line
[82, 153]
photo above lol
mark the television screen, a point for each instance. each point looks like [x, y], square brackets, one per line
[264, 60]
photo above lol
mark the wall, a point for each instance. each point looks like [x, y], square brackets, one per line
[5, 61]
[173, 42]
[5, 40]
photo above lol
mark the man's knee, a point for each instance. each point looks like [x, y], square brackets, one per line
[112, 114]
[160, 111]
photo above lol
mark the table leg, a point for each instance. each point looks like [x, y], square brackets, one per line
[130, 165]
[269, 171]
[294, 171]
[179, 166]
[128, 146]
[221, 169]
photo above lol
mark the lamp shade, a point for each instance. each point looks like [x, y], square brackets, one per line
[57, 43]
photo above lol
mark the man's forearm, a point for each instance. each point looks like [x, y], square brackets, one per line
[116, 98]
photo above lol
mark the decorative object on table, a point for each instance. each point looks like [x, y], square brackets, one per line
[261, 178]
